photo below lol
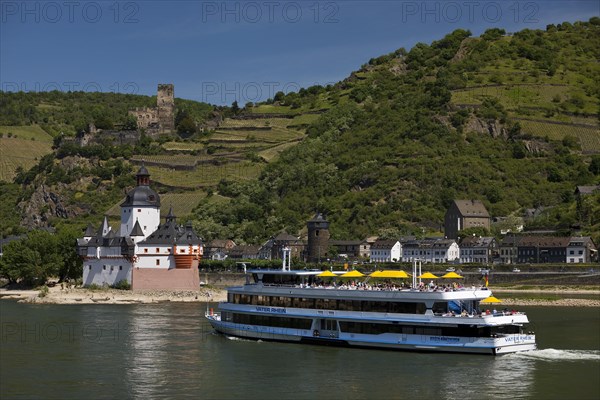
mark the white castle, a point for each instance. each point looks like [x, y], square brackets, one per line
[144, 253]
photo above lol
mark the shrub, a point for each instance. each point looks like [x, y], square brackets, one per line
[122, 285]
[94, 286]
[43, 291]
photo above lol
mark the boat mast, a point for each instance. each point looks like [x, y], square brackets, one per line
[287, 259]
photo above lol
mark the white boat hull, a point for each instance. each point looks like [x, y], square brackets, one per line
[426, 343]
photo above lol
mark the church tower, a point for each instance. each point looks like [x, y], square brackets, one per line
[142, 205]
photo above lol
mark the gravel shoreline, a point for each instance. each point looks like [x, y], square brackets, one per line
[56, 295]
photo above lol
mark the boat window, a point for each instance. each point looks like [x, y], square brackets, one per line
[440, 307]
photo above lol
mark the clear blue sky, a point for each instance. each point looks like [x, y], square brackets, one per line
[219, 51]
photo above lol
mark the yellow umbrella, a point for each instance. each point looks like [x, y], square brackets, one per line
[326, 274]
[452, 275]
[375, 274]
[352, 274]
[427, 275]
[490, 300]
[392, 274]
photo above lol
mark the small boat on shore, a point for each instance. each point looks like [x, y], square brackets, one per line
[297, 306]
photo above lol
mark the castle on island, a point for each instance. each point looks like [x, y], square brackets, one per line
[144, 253]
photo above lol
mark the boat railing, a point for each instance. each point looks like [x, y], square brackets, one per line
[375, 288]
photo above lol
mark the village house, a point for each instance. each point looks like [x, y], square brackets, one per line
[386, 250]
[244, 252]
[272, 249]
[509, 249]
[478, 249]
[464, 214]
[218, 249]
[346, 248]
[542, 249]
[431, 251]
[581, 249]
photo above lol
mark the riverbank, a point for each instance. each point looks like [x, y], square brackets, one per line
[540, 296]
[57, 295]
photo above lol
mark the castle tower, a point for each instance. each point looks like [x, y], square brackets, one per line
[165, 103]
[141, 206]
[318, 238]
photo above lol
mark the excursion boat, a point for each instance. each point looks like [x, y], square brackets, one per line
[292, 306]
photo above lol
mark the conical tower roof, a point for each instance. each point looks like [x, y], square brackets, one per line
[137, 229]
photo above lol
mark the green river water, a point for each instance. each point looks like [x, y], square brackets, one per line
[169, 351]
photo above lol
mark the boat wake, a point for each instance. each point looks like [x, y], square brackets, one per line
[559, 355]
[239, 339]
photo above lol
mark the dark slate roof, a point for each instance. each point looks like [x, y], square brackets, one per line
[587, 189]
[244, 250]
[220, 243]
[137, 229]
[143, 171]
[544, 241]
[471, 208]
[477, 241]
[141, 196]
[511, 240]
[318, 218]
[384, 244]
[89, 231]
[172, 233]
[285, 237]
[429, 243]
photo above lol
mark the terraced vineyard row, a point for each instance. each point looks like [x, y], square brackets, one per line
[589, 138]
[23, 153]
[205, 175]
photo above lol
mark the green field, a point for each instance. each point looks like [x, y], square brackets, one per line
[29, 132]
[271, 153]
[23, 153]
[182, 146]
[589, 138]
[274, 135]
[170, 159]
[205, 175]
[512, 97]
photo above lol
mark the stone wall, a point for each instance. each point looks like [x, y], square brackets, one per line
[165, 279]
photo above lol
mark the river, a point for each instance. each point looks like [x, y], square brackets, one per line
[169, 351]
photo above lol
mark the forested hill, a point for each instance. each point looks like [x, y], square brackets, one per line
[511, 120]
[72, 112]
[508, 119]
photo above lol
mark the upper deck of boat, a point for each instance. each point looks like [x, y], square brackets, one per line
[304, 283]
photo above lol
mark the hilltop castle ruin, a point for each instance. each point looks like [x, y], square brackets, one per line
[160, 119]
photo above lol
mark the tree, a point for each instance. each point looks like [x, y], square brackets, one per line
[39, 256]
[595, 165]
[235, 108]
[187, 127]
